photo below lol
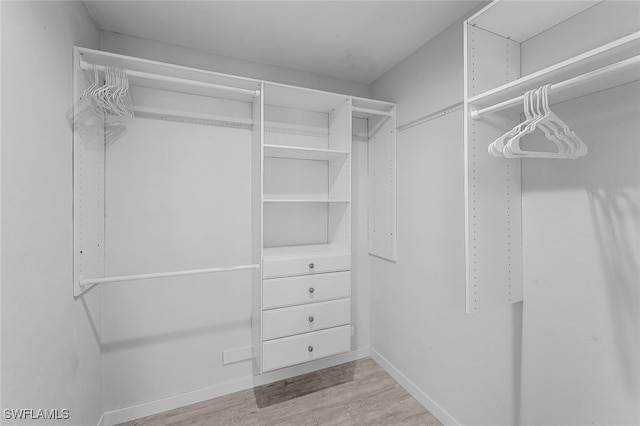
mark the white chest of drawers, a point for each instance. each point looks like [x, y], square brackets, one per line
[306, 312]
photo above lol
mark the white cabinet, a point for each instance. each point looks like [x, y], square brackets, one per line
[305, 311]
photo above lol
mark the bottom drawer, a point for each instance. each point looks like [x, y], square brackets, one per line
[292, 350]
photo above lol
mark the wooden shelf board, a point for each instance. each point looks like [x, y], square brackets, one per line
[143, 65]
[498, 17]
[303, 200]
[281, 151]
[304, 250]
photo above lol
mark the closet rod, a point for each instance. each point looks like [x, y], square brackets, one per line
[558, 87]
[372, 111]
[164, 78]
[90, 281]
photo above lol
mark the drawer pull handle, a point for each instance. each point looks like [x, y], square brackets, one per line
[311, 266]
[310, 348]
[311, 319]
[311, 290]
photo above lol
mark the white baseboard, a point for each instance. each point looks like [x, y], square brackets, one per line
[101, 421]
[122, 415]
[424, 399]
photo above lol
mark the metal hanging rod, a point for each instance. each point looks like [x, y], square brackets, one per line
[90, 281]
[424, 119]
[558, 87]
[167, 79]
[372, 111]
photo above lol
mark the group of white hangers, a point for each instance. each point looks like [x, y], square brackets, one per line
[539, 116]
[113, 96]
[87, 116]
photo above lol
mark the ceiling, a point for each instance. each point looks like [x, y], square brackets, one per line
[352, 40]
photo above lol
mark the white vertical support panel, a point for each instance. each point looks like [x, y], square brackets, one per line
[256, 227]
[88, 191]
[382, 187]
[340, 123]
[492, 185]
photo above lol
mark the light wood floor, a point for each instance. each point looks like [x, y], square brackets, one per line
[357, 393]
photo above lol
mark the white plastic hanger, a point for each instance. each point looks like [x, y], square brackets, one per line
[497, 147]
[568, 144]
[578, 147]
[513, 149]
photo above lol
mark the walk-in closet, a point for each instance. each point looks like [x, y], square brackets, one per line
[320, 213]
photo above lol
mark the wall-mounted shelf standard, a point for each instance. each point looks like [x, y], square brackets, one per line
[301, 153]
[504, 58]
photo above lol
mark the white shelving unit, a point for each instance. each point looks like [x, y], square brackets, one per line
[503, 59]
[306, 225]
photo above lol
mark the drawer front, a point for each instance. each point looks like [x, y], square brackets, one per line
[305, 318]
[304, 265]
[293, 350]
[280, 292]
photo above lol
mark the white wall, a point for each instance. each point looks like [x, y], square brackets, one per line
[50, 342]
[163, 52]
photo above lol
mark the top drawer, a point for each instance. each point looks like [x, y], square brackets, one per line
[304, 265]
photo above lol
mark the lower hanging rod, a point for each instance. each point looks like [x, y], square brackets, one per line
[558, 87]
[165, 78]
[90, 281]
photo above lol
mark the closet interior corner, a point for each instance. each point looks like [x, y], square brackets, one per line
[320, 212]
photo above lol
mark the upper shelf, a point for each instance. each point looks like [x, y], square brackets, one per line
[281, 151]
[367, 108]
[533, 17]
[305, 250]
[175, 78]
[304, 200]
[286, 96]
[610, 53]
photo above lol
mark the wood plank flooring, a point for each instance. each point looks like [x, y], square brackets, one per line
[358, 393]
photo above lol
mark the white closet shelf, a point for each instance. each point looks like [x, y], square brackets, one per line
[304, 250]
[368, 108]
[304, 200]
[497, 17]
[282, 151]
[610, 53]
[175, 78]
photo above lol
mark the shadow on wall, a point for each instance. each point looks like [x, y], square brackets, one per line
[120, 345]
[615, 217]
